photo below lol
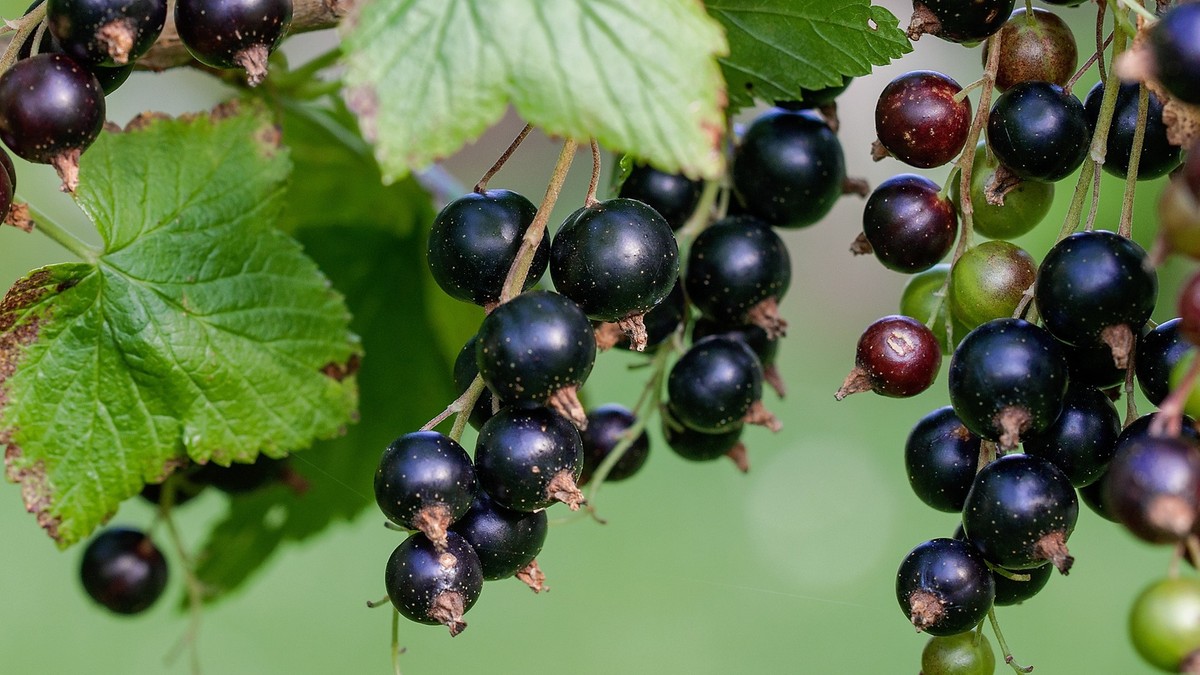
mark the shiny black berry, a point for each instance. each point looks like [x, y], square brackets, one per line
[909, 224]
[233, 33]
[737, 271]
[123, 570]
[897, 356]
[716, 386]
[106, 32]
[474, 240]
[1153, 487]
[918, 121]
[1177, 51]
[434, 585]
[527, 458]
[1020, 512]
[944, 587]
[506, 541]
[789, 169]
[1081, 442]
[1096, 287]
[756, 338]
[51, 110]
[674, 196]
[1158, 156]
[941, 457]
[608, 426]
[616, 259]
[958, 20]
[1093, 496]
[697, 446]
[1038, 131]
[1158, 352]
[425, 481]
[537, 346]
[1008, 379]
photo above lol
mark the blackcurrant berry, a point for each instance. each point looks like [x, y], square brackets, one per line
[1093, 496]
[789, 169]
[1020, 512]
[123, 570]
[474, 240]
[1158, 352]
[697, 446]
[425, 481]
[465, 370]
[1038, 131]
[527, 458]
[897, 356]
[1158, 156]
[944, 587]
[607, 427]
[434, 585]
[717, 385]
[1177, 52]
[958, 21]
[506, 541]
[1007, 379]
[1164, 623]
[616, 259]
[918, 121]
[1081, 442]
[1010, 590]
[909, 224]
[674, 196]
[1097, 287]
[538, 347]
[1094, 366]
[1025, 205]
[233, 33]
[941, 456]
[967, 653]
[1035, 47]
[51, 110]
[1153, 487]
[106, 32]
[738, 269]
[756, 338]
[989, 281]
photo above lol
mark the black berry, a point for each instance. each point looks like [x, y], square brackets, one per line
[123, 570]
[233, 33]
[1038, 131]
[944, 587]
[527, 458]
[941, 456]
[425, 482]
[674, 196]
[607, 427]
[434, 585]
[909, 224]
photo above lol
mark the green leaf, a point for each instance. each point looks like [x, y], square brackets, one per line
[372, 247]
[427, 76]
[199, 329]
[778, 47]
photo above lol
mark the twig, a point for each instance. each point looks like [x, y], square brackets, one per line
[481, 186]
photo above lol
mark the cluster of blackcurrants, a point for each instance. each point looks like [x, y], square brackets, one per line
[124, 571]
[52, 95]
[615, 265]
[1047, 388]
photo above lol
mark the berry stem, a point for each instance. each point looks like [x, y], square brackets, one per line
[481, 186]
[1125, 229]
[47, 226]
[1101, 8]
[965, 91]
[594, 183]
[467, 400]
[537, 229]
[396, 650]
[1101, 45]
[1131, 412]
[966, 161]
[1008, 657]
[26, 25]
[195, 594]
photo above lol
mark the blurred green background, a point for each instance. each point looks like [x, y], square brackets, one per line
[699, 570]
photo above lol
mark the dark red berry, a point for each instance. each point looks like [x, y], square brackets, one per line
[233, 33]
[918, 121]
[909, 224]
[897, 356]
[123, 570]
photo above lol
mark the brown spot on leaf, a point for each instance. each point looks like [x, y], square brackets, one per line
[340, 371]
